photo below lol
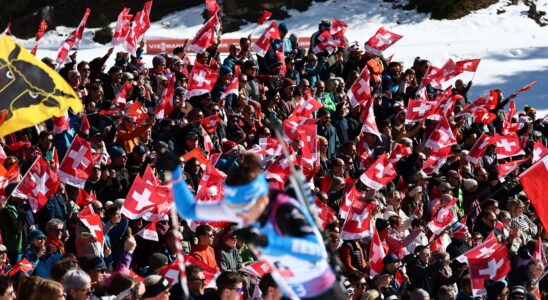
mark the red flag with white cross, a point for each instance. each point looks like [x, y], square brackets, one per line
[40, 183]
[77, 164]
[358, 223]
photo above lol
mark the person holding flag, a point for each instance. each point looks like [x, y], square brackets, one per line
[271, 220]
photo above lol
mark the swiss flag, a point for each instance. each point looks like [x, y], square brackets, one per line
[445, 104]
[93, 222]
[418, 110]
[210, 123]
[210, 274]
[509, 167]
[477, 151]
[379, 173]
[120, 99]
[310, 150]
[211, 186]
[39, 184]
[353, 195]
[306, 107]
[330, 40]
[165, 107]
[3, 155]
[212, 7]
[278, 173]
[41, 30]
[122, 27]
[486, 261]
[205, 37]
[442, 136]
[437, 76]
[358, 223]
[468, 65]
[258, 269]
[142, 199]
[84, 128]
[436, 160]
[292, 125]
[327, 214]
[381, 41]
[21, 266]
[262, 45]
[232, 88]
[399, 152]
[507, 146]
[479, 103]
[539, 253]
[539, 151]
[443, 217]
[149, 176]
[526, 88]
[136, 110]
[201, 81]
[535, 184]
[61, 124]
[77, 164]
[360, 92]
[73, 39]
[195, 153]
[484, 116]
[141, 23]
[171, 273]
[376, 254]
[149, 232]
[433, 73]
[84, 198]
[269, 146]
[266, 15]
[369, 120]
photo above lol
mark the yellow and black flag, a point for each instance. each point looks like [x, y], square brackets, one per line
[30, 91]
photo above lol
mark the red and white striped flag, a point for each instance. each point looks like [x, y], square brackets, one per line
[73, 39]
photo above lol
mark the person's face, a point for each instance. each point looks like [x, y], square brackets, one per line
[196, 285]
[265, 133]
[207, 239]
[120, 160]
[536, 272]
[46, 142]
[38, 243]
[320, 87]
[231, 242]
[234, 293]
[359, 287]
[195, 167]
[9, 294]
[490, 220]
[338, 167]
[215, 110]
[325, 119]
[75, 80]
[395, 200]
[57, 232]
[424, 256]
[251, 72]
[520, 209]
[477, 239]
[481, 175]
[196, 117]
[3, 257]
[420, 161]
[454, 179]
[116, 77]
[234, 51]
[81, 294]
[459, 85]
[304, 85]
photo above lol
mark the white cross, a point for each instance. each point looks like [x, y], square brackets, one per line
[468, 64]
[360, 217]
[93, 229]
[446, 106]
[380, 168]
[442, 213]
[383, 39]
[40, 183]
[421, 109]
[79, 157]
[486, 251]
[492, 268]
[484, 143]
[212, 123]
[506, 145]
[142, 199]
[363, 86]
[306, 106]
[376, 253]
[444, 136]
[201, 78]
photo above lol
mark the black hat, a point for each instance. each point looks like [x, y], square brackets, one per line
[494, 288]
[381, 224]
[390, 259]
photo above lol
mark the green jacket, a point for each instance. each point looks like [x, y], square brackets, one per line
[13, 228]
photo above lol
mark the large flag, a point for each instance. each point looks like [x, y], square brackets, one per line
[205, 37]
[535, 184]
[201, 81]
[31, 92]
[358, 223]
[38, 184]
[141, 23]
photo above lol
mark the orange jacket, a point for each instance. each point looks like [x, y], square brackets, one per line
[128, 139]
[205, 254]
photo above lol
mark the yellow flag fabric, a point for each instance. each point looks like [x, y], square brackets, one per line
[30, 91]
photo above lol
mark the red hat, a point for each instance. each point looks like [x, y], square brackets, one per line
[229, 145]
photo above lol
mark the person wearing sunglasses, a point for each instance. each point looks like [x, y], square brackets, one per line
[4, 262]
[77, 285]
[229, 287]
[196, 281]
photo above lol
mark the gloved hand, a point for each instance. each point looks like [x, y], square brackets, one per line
[167, 160]
[250, 235]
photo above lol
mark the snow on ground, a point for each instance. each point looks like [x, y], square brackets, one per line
[513, 48]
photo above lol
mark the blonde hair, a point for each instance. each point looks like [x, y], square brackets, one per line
[513, 206]
[370, 295]
[48, 289]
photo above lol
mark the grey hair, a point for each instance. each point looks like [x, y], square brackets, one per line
[75, 279]
[52, 223]
[447, 292]
[419, 294]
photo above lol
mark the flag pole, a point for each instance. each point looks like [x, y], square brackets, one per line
[180, 256]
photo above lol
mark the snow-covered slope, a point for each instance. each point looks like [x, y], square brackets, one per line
[513, 48]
